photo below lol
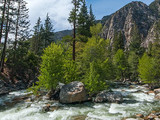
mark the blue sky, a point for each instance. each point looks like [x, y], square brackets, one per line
[59, 10]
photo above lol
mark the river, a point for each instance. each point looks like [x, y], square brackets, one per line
[136, 101]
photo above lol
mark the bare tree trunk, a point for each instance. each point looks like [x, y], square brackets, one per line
[17, 22]
[3, 16]
[6, 39]
[74, 37]
[74, 42]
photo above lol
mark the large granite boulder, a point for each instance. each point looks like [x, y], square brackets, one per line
[73, 92]
[105, 96]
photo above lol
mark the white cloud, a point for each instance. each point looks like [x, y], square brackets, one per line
[58, 11]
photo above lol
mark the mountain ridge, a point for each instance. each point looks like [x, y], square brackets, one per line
[133, 14]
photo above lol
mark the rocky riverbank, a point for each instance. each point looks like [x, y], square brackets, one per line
[7, 87]
[138, 102]
[154, 115]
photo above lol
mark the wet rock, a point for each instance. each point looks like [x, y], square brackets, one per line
[1, 84]
[156, 118]
[151, 117]
[31, 98]
[139, 115]
[80, 117]
[46, 108]
[131, 86]
[73, 92]
[157, 91]
[20, 85]
[54, 95]
[145, 85]
[134, 119]
[53, 108]
[4, 90]
[158, 96]
[105, 96]
[150, 92]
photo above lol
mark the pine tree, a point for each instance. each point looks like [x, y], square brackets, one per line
[73, 18]
[118, 42]
[3, 18]
[22, 23]
[6, 36]
[92, 20]
[48, 31]
[120, 63]
[135, 44]
[133, 61]
[83, 20]
[37, 43]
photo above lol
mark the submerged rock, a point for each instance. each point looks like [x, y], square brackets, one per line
[158, 96]
[73, 92]
[80, 117]
[105, 96]
[46, 108]
[139, 115]
[134, 119]
[157, 91]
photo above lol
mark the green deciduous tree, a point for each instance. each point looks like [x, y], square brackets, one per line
[92, 80]
[133, 60]
[96, 65]
[51, 69]
[120, 63]
[146, 69]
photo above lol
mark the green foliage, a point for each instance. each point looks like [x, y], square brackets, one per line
[83, 19]
[74, 13]
[51, 69]
[120, 63]
[135, 44]
[133, 61]
[43, 36]
[118, 42]
[37, 43]
[146, 69]
[70, 71]
[96, 30]
[154, 6]
[96, 65]
[92, 80]
[22, 64]
[92, 20]
[48, 34]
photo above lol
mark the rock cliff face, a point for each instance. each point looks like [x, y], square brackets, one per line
[155, 7]
[134, 13]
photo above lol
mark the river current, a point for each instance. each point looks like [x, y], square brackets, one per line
[136, 101]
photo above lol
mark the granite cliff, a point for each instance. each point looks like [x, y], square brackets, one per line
[138, 14]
